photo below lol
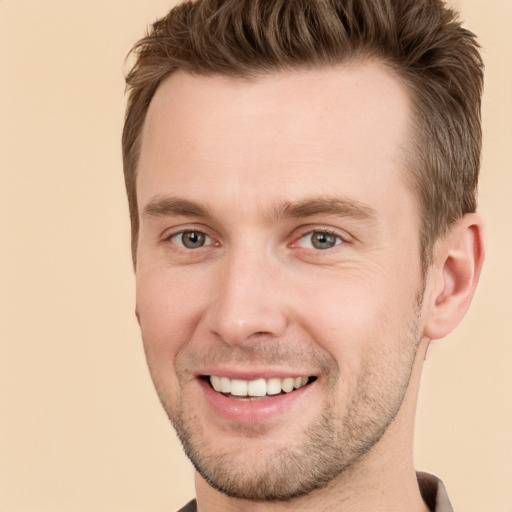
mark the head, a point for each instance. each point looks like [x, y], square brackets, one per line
[421, 41]
[294, 171]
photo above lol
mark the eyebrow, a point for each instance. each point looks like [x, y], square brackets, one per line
[165, 206]
[341, 207]
[172, 206]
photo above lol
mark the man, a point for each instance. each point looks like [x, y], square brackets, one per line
[302, 186]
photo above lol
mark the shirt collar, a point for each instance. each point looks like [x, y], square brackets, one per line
[434, 493]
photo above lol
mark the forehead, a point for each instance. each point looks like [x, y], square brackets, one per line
[317, 131]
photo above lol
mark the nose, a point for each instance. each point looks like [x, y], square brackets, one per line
[249, 302]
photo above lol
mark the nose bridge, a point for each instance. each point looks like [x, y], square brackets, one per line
[249, 300]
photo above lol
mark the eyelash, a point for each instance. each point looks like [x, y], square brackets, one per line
[340, 240]
[209, 240]
[172, 236]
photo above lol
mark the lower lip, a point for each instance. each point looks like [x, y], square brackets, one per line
[255, 410]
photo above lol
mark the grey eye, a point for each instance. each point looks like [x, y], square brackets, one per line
[191, 239]
[320, 240]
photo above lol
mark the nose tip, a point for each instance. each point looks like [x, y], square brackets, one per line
[254, 323]
[248, 305]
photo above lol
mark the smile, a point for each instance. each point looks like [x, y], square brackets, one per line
[259, 387]
[256, 399]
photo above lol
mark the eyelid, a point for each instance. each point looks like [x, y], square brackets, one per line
[170, 233]
[308, 230]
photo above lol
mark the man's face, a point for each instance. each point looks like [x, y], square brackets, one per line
[278, 247]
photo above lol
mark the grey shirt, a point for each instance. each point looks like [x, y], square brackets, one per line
[432, 490]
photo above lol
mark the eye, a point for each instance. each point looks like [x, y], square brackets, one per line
[191, 239]
[319, 240]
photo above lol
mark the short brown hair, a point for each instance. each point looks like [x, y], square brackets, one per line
[421, 40]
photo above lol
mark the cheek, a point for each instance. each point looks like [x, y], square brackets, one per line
[168, 305]
[353, 315]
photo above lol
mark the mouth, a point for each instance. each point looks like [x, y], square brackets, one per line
[258, 388]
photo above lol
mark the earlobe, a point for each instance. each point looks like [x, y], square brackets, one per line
[458, 260]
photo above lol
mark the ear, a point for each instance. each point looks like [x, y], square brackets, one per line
[458, 260]
[137, 315]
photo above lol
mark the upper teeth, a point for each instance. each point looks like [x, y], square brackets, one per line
[257, 387]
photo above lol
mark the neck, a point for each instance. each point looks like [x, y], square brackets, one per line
[384, 480]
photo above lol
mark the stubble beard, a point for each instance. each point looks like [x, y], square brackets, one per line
[330, 446]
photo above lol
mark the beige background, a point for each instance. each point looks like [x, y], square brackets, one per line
[80, 426]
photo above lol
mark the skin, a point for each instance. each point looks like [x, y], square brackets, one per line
[256, 167]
